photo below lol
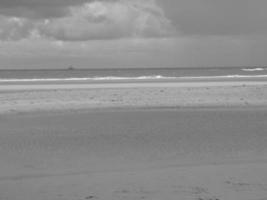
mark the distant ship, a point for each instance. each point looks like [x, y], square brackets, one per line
[70, 67]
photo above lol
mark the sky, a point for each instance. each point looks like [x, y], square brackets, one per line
[132, 33]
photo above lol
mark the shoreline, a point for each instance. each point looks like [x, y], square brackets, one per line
[113, 85]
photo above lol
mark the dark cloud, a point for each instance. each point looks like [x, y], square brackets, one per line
[36, 9]
[217, 17]
[36, 13]
[39, 8]
[32, 4]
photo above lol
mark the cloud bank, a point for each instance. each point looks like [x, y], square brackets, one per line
[81, 20]
[94, 20]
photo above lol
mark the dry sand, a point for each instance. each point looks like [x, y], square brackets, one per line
[51, 98]
[214, 150]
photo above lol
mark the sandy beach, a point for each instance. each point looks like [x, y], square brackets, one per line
[133, 100]
[72, 97]
[195, 141]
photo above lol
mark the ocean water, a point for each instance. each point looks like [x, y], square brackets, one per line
[129, 74]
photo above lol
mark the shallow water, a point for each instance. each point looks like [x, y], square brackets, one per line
[128, 74]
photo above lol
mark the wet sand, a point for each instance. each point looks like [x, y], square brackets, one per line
[209, 151]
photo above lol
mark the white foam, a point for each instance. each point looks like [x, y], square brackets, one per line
[107, 78]
[223, 77]
[114, 78]
[253, 69]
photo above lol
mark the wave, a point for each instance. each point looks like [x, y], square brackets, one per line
[253, 69]
[222, 77]
[114, 78]
[106, 78]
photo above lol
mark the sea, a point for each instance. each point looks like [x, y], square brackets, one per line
[95, 75]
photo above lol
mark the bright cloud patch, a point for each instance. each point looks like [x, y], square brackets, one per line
[94, 20]
[14, 28]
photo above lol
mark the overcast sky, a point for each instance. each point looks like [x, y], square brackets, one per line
[132, 33]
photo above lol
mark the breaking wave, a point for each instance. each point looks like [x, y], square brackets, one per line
[107, 78]
[114, 78]
[253, 69]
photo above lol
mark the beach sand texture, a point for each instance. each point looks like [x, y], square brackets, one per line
[25, 98]
[212, 146]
